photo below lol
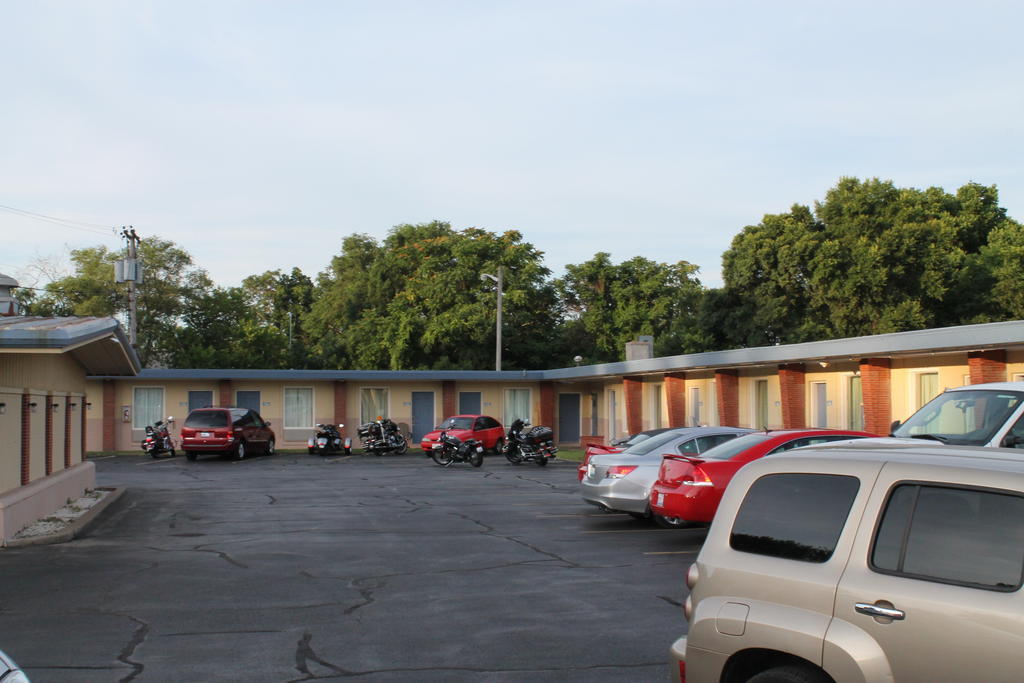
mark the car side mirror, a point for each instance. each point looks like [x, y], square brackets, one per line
[894, 426]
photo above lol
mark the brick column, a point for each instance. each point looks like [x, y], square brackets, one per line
[727, 383]
[633, 388]
[987, 366]
[109, 415]
[67, 432]
[877, 393]
[48, 403]
[26, 437]
[85, 406]
[547, 406]
[224, 393]
[448, 404]
[794, 395]
[675, 398]
[341, 405]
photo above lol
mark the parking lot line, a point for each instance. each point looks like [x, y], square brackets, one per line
[673, 552]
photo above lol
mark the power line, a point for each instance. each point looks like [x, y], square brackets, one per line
[95, 228]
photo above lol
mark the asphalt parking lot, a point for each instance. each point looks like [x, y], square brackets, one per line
[297, 567]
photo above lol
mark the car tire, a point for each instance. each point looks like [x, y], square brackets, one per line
[793, 673]
[240, 451]
[670, 522]
[271, 446]
[190, 455]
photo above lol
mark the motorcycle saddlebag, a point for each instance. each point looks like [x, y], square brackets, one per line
[539, 434]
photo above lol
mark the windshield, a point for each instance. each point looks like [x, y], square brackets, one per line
[457, 423]
[730, 449]
[648, 445]
[964, 418]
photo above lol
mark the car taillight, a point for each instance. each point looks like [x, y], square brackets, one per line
[699, 478]
[682, 672]
[619, 471]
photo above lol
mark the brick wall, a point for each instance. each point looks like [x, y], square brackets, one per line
[85, 407]
[67, 432]
[448, 396]
[49, 435]
[633, 388]
[110, 415]
[675, 398]
[987, 366]
[793, 389]
[547, 406]
[224, 393]
[875, 384]
[26, 438]
[728, 384]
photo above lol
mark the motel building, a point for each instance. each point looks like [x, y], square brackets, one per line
[71, 386]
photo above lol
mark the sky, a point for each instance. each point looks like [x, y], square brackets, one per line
[257, 135]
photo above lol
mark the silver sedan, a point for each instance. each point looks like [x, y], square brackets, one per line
[621, 482]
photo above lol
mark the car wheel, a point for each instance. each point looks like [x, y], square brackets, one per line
[670, 522]
[190, 455]
[240, 451]
[270, 447]
[790, 674]
[498, 446]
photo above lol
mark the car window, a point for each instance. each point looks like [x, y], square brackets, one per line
[479, 424]
[964, 536]
[730, 449]
[706, 443]
[651, 444]
[688, 447]
[970, 417]
[457, 423]
[794, 516]
[207, 418]
[489, 423]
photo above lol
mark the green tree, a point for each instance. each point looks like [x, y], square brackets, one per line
[416, 301]
[871, 258]
[282, 301]
[170, 282]
[608, 305]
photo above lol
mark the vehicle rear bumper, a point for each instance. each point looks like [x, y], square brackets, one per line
[208, 445]
[621, 496]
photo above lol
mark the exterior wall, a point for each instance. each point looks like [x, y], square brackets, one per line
[952, 369]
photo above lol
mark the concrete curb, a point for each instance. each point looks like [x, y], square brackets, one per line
[77, 527]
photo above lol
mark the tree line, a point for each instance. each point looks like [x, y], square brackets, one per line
[870, 258]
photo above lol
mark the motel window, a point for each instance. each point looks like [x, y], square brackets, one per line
[298, 408]
[148, 406]
[373, 403]
[517, 405]
[761, 404]
[694, 406]
[927, 387]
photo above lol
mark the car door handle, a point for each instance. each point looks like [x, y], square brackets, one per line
[878, 611]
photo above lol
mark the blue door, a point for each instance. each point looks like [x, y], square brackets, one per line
[568, 418]
[422, 414]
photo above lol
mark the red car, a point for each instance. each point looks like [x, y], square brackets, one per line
[483, 428]
[230, 431]
[689, 488]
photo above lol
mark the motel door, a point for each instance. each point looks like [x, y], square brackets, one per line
[568, 418]
[422, 414]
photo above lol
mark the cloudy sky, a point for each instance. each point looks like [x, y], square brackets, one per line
[258, 134]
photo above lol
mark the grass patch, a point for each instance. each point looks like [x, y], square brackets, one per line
[575, 454]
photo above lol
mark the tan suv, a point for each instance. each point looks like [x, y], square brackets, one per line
[862, 562]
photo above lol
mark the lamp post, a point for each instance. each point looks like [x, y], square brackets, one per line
[500, 279]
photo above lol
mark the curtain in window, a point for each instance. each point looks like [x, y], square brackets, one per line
[374, 404]
[298, 408]
[149, 406]
[517, 405]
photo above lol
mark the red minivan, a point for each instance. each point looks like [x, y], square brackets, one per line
[230, 431]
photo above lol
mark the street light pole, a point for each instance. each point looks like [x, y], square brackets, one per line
[500, 280]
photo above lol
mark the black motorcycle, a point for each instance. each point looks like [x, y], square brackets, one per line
[529, 445]
[449, 449]
[383, 436]
[158, 441]
[328, 439]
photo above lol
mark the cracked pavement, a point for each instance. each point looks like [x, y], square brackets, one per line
[298, 567]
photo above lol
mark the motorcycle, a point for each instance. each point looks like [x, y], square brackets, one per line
[158, 439]
[383, 436]
[449, 449]
[535, 445]
[328, 439]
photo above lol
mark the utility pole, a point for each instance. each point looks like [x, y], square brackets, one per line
[501, 283]
[131, 273]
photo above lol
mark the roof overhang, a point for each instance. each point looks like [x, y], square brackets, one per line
[98, 344]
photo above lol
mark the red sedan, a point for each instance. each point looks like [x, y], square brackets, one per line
[689, 488]
[483, 428]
